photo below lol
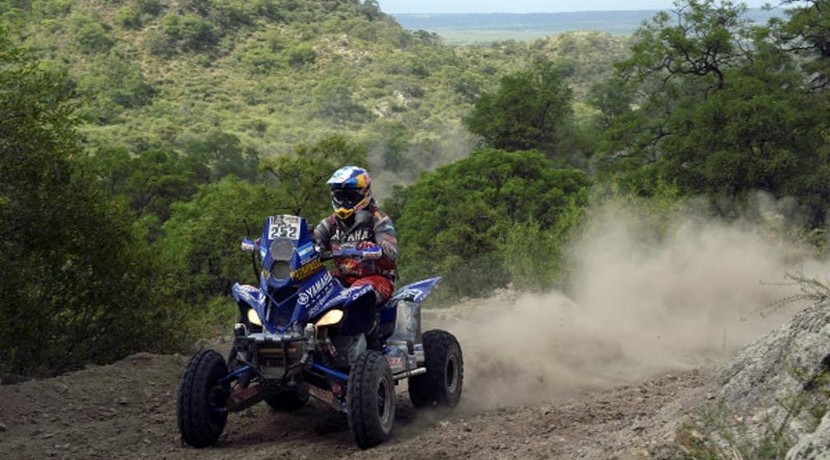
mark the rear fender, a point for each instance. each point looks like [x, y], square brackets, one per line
[415, 292]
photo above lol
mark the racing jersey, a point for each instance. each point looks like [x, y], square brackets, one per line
[333, 234]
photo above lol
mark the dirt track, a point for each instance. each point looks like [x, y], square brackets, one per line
[127, 410]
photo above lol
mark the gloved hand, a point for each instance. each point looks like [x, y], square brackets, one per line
[250, 246]
[370, 250]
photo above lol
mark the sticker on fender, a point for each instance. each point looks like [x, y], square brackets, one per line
[304, 272]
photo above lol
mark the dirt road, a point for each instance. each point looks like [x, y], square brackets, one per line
[127, 410]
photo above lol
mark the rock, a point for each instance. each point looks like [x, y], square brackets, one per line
[785, 364]
[813, 446]
[3, 427]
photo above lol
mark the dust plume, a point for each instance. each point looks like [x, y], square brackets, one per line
[646, 296]
[421, 154]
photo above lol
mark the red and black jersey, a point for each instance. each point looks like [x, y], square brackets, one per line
[333, 234]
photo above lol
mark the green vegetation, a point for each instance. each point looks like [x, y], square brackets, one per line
[142, 139]
[61, 238]
[466, 220]
[717, 109]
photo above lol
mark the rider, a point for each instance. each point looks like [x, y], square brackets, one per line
[351, 195]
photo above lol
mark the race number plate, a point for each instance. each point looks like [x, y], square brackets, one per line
[284, 227]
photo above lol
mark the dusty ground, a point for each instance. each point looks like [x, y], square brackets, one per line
[127, 410]
[600, 402]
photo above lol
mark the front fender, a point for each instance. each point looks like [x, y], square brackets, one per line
[345, 298]
[250, 295]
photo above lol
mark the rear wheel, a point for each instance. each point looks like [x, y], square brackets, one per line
[371, 399]
[442, 384]
[202, 410]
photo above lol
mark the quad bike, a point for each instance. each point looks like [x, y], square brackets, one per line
[302, 334]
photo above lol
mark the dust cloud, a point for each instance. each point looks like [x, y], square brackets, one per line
[421, 155]
[645, 297]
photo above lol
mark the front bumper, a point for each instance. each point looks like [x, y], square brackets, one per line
[272, 356]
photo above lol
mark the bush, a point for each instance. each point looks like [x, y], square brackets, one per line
[90, 35]
[301, 56]
[128, 17]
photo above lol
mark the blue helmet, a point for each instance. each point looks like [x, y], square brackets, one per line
[350, 190]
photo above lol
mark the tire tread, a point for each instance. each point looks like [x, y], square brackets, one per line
[430, 388]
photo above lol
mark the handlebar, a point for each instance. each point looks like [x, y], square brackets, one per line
[370, 254]
[249, 246]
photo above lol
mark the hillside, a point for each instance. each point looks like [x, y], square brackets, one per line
[275, 73]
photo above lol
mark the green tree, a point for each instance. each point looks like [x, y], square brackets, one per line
[723, 111]
[90, 35]
[220, 154]
[187, 32]
[301, 177]
[454, 221]
[149, 183]
[73, 283]
[202, 237]
[805, 32]
[334, 100]
[111, 86]
[527, 112]
[393, 144]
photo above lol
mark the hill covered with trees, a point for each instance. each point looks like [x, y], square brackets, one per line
[142, 139]
[270, 74]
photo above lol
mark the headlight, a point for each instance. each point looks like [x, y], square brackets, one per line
[281, 269]
[331, 318]
[253, 318]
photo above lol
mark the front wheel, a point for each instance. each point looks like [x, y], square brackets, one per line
[202, 410]
[371, 399]
[442, 384]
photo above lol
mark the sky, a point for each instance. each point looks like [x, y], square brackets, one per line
[528, 6]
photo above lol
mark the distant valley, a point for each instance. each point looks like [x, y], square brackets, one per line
[472, 28]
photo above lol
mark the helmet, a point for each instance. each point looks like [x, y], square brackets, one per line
[350, 190]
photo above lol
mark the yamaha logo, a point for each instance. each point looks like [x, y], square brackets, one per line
[303, 299]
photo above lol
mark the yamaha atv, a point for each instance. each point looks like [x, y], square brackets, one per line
[302, 334]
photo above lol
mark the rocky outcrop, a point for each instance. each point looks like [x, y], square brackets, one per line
[777, 387]
[813, 446]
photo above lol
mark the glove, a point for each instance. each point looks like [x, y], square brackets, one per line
[370, 250]
[250, 246]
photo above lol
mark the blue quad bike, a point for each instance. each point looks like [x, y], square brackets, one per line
[302, 334]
